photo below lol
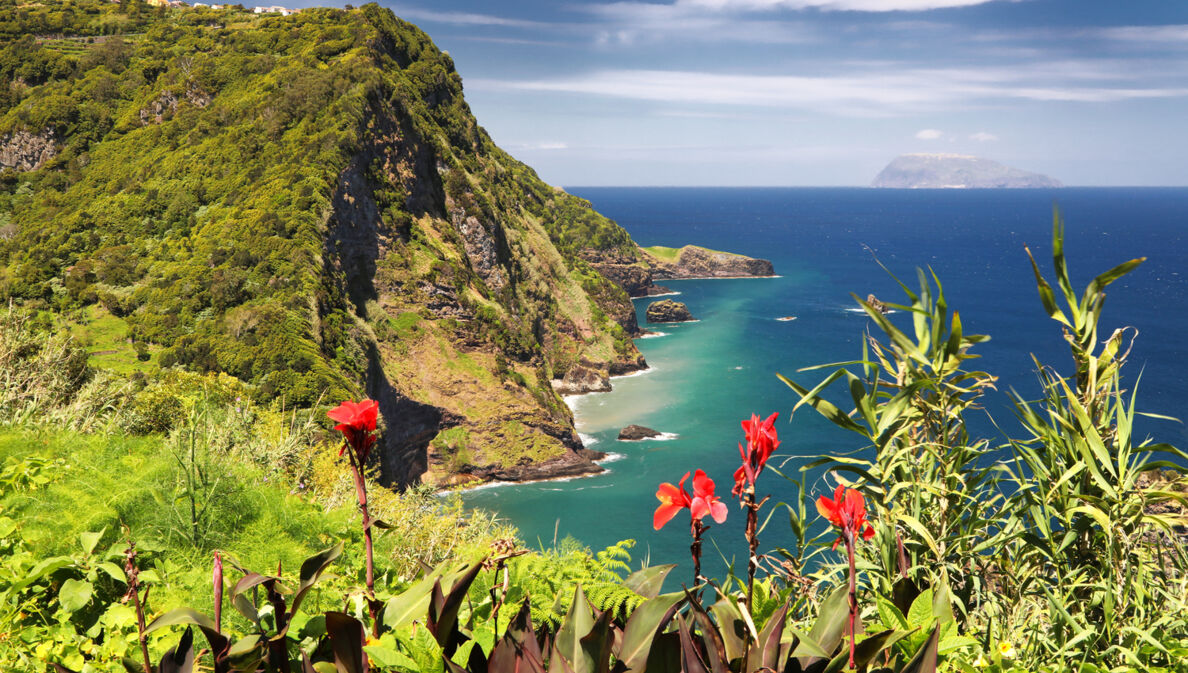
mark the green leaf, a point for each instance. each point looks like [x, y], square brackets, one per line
[74, 594]
[890, 615]
[647, 582]
[409, 605]
[647, 620]
[920, 615]
[116, 572]
[389, 658]
[312, 569]
[577, 625]
[90, 540]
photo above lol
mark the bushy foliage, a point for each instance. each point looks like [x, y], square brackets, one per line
[1063, 544]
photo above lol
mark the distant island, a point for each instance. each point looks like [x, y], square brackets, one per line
[955, 171]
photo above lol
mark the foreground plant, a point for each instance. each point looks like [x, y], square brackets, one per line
[762, 441]
[847, 511]
[356, 421]
[703, 502]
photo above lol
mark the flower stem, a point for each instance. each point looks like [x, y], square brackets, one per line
[695, 549]
[752, 542]
[361, 492]
[849, 539]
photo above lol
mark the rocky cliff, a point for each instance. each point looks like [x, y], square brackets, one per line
[324, 219]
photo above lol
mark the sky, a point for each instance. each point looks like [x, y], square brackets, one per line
[821, 92]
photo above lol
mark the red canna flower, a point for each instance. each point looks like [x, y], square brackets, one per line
[356, 421]
[762, 441]
[672, 500]
[704, 501]
[847, 511]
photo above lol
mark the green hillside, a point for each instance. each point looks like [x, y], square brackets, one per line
[307, 204]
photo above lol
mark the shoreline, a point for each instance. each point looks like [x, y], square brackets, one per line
[571, 400]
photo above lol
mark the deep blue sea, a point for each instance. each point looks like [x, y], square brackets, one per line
[708, 375]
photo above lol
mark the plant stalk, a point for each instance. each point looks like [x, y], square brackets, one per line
[695, 549]
[849, 540]
[361, 492]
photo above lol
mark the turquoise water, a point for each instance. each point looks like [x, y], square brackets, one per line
[708, 375]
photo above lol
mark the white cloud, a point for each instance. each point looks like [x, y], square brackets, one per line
[466, 18]
[833, 5]
[983, 137]
[1174, 33]
[929, 134]
[866, 90]
[634, 22]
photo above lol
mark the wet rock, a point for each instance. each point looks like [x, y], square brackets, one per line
[637, 432]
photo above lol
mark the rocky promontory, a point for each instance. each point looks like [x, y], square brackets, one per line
[693, 261]
[637, 274]
[633, 433]
[667, 310]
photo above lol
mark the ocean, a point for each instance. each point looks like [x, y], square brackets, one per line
[706, 376]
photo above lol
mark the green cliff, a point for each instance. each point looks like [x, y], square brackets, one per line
[305, 203]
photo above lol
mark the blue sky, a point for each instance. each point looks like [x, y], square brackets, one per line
[822, 92]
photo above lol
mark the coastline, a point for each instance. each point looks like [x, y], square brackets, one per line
[580, 382]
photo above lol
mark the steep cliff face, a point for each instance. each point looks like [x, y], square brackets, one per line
[26, 151]
[307, 203]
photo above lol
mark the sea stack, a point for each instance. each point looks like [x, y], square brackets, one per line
[667, 310]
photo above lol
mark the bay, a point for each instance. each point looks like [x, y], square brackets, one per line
[707, 376]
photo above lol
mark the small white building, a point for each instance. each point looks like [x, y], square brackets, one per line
[275, 9]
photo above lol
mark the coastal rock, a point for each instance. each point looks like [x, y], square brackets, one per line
[955, 171]
[695, 262]
[25, 151]
[576, 463]
[667, 310]
[637, 432]
[634, 278]
[876, 304]
[584, 377]
[656, 290]
[620, 368]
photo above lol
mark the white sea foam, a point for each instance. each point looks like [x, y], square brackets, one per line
[653, 335]
[662, 437]
[638, 372]
[587, 440]
[662, 294]
[611, 457]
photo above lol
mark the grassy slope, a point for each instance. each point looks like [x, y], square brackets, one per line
[199, 168]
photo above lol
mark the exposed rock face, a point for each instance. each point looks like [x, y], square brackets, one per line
[481, 249]
[26, 151]
[667, 310]
[955, 171]
[637, 432]
[166, 104]
[584, 377]
[628, 273]
[696, 262]
[578, 463]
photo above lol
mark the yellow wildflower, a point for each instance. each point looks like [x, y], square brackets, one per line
[981, 661]
[1006, 650]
